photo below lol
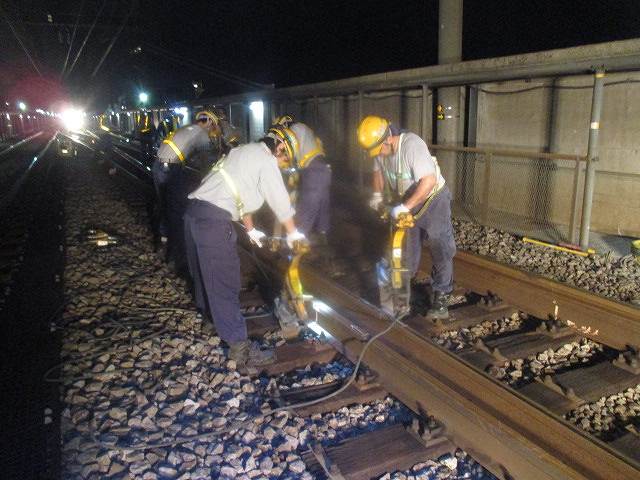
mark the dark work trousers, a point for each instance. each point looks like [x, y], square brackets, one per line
[435, 227]
[312, 209]
[176, 197]
[215, 267]
[160, 172]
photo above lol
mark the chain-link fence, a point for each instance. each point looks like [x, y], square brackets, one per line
[529, 194]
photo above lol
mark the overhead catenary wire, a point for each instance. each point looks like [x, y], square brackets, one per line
[134, 4]
[73, 36]
[229, 77]
[84, 42]
[22, 45]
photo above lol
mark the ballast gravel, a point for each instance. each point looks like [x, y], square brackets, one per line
[144, 386]
[524, 370]
[617, 278]
[465, 337]
[607, 414]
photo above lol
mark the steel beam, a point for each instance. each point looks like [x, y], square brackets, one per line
[612, 56]
[592, 158]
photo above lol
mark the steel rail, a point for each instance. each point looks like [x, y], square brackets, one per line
[604, 320]
[18, 144]
[507, 433]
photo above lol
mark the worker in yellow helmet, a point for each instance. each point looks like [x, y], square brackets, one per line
[310, 181]
[236, 187]
[193, 146]
[145, 132]
[411, 180]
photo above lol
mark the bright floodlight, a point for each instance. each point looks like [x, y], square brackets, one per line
[22, 106]
[257, 108]
[143, 97]
[73, 119]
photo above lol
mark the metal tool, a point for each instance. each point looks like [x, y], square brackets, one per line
[394, 278]
[291, 307]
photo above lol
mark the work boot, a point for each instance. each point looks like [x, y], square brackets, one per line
[439, 307]
[248, 354]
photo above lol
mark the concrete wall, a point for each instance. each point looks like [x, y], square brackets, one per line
[530, 120]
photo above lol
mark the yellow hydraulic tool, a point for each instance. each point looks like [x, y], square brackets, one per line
[294, 285]
[291, 307]
[393, 276]
[405, 220]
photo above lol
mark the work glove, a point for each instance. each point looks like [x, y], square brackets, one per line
[398, 209]
[256, 236]
[293, 237]
[375, 200]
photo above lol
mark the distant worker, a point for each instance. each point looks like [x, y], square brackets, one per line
[166, 128]
[411, 178]
[310, 178]
[145, 132]
[235, 188]
[230, 138]
[193, 146]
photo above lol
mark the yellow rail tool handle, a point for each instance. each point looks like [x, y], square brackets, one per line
[404, 221]
[294, 284]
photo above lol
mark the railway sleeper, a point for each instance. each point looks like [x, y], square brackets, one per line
[591, 383]
[376, 453]
[628, 444]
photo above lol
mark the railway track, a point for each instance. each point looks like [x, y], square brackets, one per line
[515, 428]
[120, 363]
[513, 432]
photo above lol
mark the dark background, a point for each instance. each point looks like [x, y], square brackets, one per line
[281, 42]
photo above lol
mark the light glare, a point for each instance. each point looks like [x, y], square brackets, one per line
[257, 108]
[73, 119]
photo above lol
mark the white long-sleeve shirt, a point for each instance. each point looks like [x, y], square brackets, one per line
[254, 172]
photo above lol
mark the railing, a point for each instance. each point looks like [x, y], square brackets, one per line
[518, 191]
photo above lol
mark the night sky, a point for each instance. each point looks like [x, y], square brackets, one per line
[282, 42]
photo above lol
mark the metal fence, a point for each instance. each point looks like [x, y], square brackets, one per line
[526, 193]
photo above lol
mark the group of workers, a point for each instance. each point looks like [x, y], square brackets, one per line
[236, 180]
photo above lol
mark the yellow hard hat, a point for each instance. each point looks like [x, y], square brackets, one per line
[207, 114]
[283, 121]
[288, 138]
[371, 133]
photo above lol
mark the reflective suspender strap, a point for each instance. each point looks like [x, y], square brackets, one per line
[319, 150]
[433, 195]
[219, 168]
[175, 148]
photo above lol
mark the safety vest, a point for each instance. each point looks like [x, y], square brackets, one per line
[401, 173]
[219, 168]
[319, 150]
